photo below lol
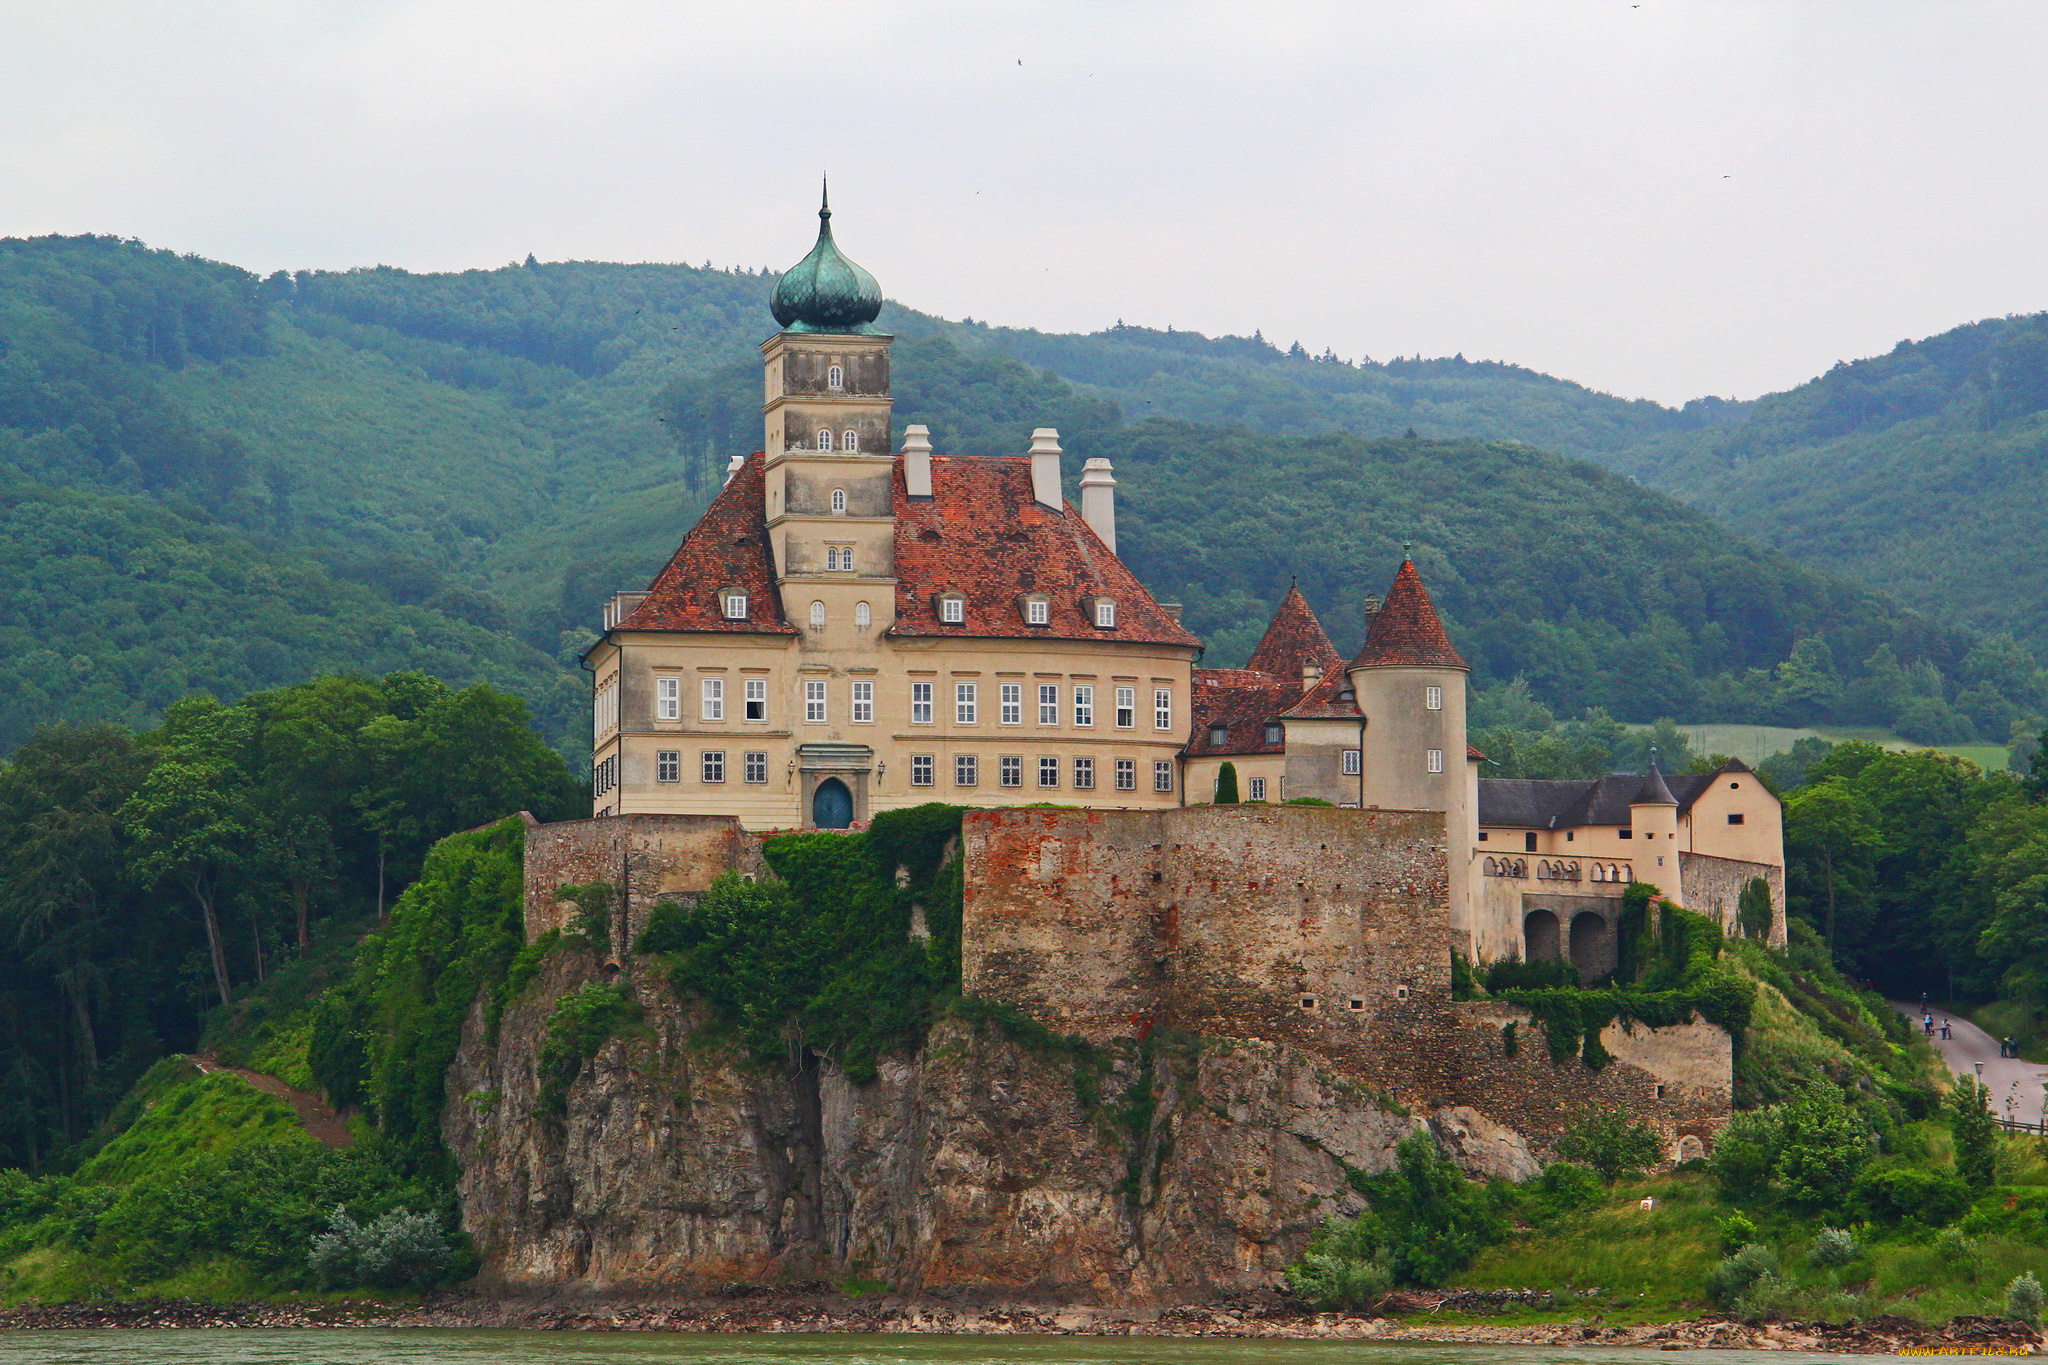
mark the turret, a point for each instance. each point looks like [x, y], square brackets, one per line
[1410, 684]
[1653, 820]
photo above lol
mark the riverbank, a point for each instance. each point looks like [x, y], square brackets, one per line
[1252, 1316]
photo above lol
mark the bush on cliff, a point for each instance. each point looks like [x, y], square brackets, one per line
[823, 956]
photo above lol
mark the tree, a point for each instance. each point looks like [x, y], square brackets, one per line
[1825, 1147]
[1830, 827]
[1975, 1131]
[1754, 913]
[1609, 1142]
[1226, 784]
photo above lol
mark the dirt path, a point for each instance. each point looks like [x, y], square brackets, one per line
[2016, 1086]
[319, 1120]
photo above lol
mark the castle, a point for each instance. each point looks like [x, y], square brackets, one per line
[852, 628]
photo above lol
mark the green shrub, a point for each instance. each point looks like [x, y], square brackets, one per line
[1432, 1220]
[1606, 1140]
[2023, 1298]
[1732, 1278]
[1344, 1268]
[1736, 1232]
[397, 1250]
[1892, 1195]
[1226, 785]
[1753, 913]
[1953, 1247]
[1745, 1153]
[1565, 1188]
[1512, 974]
[1975, 1130]
[580, 1023]
[1832, 1248]
[1825, 1148]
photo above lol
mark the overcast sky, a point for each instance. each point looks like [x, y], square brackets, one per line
[1661, 199]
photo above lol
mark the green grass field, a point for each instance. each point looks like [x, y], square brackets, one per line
[1755, 743]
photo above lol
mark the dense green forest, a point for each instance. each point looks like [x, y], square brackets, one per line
[1923, 470]
[214, 481]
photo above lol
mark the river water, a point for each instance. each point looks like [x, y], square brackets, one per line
[430, 1346]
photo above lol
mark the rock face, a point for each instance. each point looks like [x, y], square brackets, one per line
[994, 1158]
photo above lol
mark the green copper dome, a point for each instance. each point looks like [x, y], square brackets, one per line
[825, 292]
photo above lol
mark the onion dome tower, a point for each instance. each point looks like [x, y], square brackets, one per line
[826, 292]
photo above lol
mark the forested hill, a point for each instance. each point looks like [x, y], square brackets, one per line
[1924, 470]
[214, 481]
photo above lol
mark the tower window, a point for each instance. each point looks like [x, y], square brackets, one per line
[1436, 760]
[1432, 699]
[839, 497]
[835, 378]
[824, 439]
[849, 439]
[817, 615]
[863, 615]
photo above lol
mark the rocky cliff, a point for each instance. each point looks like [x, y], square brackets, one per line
[995, 1157]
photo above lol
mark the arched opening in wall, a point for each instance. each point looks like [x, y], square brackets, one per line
[832, 805]
[1691, 1148]
[1539, 937]
[1592, 946]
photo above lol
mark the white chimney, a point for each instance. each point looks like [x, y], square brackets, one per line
[1045, 468]
[917, 462]
[1098, 500]
[733, 467]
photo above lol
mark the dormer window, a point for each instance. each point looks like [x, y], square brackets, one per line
[835, 378]
[824, 439]
[1274, 733]
[1037, 611]
[839, 498]
[952, 608]
[1100, 610]
[1219, 735]
[734, 604]
[849, 439]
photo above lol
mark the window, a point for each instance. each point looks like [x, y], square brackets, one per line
[964, 705]
[839, 559]
[1735, 817]
[735, 606]
[604, 777]
[713, 699]
[1084, 704]
[864, 703]
[863, 615]
[839, 499]
[604, 708]
[1436, 760]
[824, 440]
[920, 770]
[966, 770]
[1048, 704]
[814, 702]
[714, 765]
[1275, 733]
[1012, 698]
[1432, 699]
[1162, 775]
[1105, 614]
[1528, 843]
[1625, 833]
[1258, 789]
[756, 765]
[952, 610]
[818, 610]
[668, 765]
[668, 698]
[1219, 735]
[835, 378]
[757, 699]
[1037, 612]
[1048, 772]
[1010, 772]
[1162, 708]
[1126, 708]
[1084, 774]
[1352, 766]
[920, 703]
[849, 439]
[1127, 774]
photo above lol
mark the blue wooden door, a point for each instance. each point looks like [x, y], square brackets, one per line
[832, 805]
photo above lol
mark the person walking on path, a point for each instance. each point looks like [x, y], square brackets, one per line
[1944, 1030]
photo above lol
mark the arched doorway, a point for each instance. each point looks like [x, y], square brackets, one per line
[1592, 947]
[1539, 937]
[831, 805]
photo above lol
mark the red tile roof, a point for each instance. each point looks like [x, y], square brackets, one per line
[1406, 632]
[982, 534]
[1294, 639]
[1330, 699]
[727, 548]
[1222, 697]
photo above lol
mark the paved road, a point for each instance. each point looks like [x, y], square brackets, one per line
[2015, 1085]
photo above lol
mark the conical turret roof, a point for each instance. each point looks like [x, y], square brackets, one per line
[1406, 632]
[1655, 791]
[1294, 640]
[825, 292]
